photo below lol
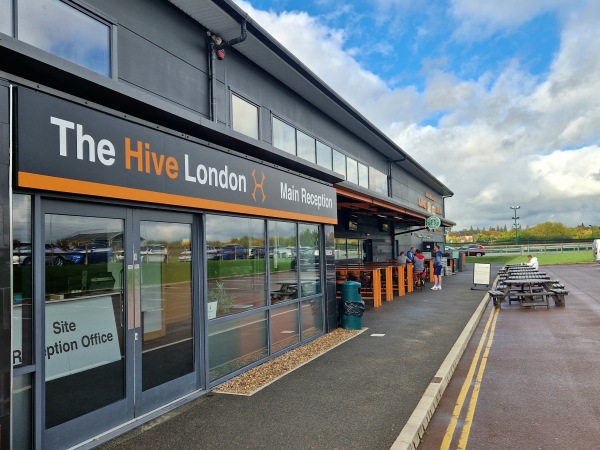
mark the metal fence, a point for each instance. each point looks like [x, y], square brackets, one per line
[526, 249]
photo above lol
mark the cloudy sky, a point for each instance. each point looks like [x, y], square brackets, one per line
[499, 100]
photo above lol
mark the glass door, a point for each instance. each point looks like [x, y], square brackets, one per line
[118, 337]
[83, 340]
[164, 331]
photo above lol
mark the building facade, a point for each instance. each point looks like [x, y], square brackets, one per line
[176, 189]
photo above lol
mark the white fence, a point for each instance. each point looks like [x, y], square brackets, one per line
[538, 248]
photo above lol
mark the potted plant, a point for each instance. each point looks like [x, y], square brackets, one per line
[219, 301]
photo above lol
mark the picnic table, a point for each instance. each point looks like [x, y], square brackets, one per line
[529, 292]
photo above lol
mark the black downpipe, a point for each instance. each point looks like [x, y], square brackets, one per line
[211, 66]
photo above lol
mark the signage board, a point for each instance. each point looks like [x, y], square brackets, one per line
[67, 147]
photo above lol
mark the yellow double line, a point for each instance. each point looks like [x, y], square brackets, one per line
[488, 334]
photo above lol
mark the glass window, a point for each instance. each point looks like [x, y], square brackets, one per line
[244, 117]
[339, 163]
[236, 343]
[306, 146]
[324, 158]
[312, 317]
[309, 259]
[6, 16]
[284, 136]
[236, 282]
[22, 415]
[83, 315]
[363, 176]
[377, 181]
[65, 31]
[352, 170]
[22, 280]
[284, 327]
[282, 252]
[349, 249]
[166, 303]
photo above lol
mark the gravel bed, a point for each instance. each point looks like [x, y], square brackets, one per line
[255, 379]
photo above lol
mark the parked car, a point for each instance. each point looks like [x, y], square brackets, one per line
[258, 253]
[185, 256]
[55, 255]
[280, 252]
[212, 252]
[93, 253]
[154, 253]
[473, 250]
[234, 251]
[309, 260]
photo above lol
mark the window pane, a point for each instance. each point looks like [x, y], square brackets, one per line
[6, 17]
[352, 170]
[244, 117]
[340, 249]
[84, 349]
[284, 136]
[64, 31]
[236, 343]
[166, 303]
[284, 327]
[324, 156]
[282, 253]
[22, 415]
[339, 163]
[310, 260]
[363, 176]
[377, 181]
[22, 281]
[306, 146]
[312, 317]
[236, 282]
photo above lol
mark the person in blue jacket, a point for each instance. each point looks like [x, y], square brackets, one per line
[437, 269]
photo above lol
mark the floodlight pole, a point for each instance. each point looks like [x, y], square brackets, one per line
[514, 208]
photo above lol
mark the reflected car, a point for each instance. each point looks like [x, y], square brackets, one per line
[94, 253]
[258, 253]
[281, 252]
[473, 250]
[212, 252]
[55, 255]
[185, 256]
[154, 253]
[309, 260]
[233, 251]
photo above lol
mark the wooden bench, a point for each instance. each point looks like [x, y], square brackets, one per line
[497, 297]
[559, 296]
[532, 304]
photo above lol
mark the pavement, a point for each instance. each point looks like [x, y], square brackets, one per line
[375, 391]
[535, 383]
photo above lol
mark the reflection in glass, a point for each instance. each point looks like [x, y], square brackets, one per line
[83, 344]
[377, 181]
[166, 303]
[284, 136]
[312, 317]
[236, 281]
[306, 146]
[6, 14]
[351, 170]
[363, 176]
[22, 412]
[282, 252]
[310, 259]
[67, 32]
[339, 163]
[22, 280]
[244, 117]
[236, 343]
[284, 327]
[324, 158]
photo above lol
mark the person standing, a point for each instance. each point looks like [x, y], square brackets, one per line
[437, 269]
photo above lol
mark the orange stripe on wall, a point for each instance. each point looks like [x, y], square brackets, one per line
[35, 181]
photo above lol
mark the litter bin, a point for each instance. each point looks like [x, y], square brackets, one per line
[462, 261]
[353, 306]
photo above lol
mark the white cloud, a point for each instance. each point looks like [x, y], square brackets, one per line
[504, 138]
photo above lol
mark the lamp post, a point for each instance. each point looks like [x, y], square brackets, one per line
[514, 208]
